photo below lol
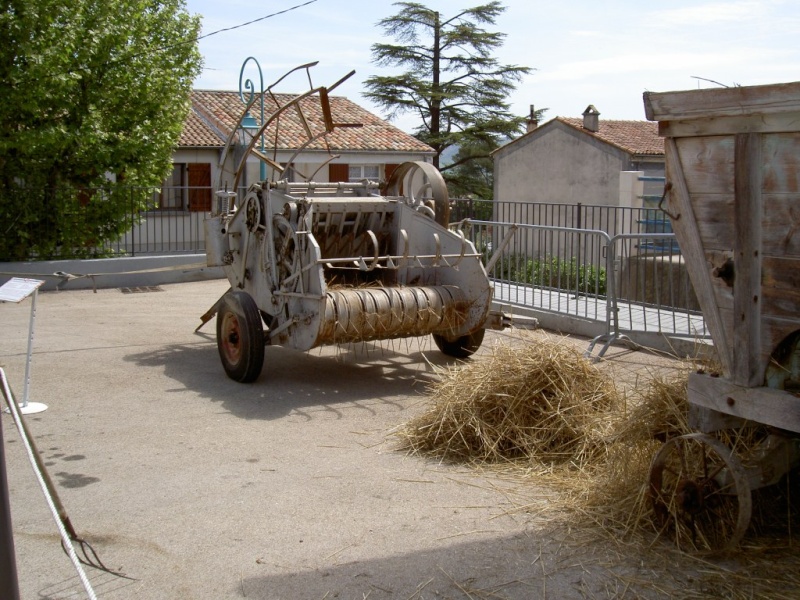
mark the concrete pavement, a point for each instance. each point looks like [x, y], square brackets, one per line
[198, 487]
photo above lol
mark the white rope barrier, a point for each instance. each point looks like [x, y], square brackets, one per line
[12, 407]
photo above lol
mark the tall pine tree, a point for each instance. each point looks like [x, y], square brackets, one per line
[448, 78]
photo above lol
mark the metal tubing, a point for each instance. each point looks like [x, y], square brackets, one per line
[9, 585]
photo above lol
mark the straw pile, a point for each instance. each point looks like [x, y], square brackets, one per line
[543, 403]
[544, 409]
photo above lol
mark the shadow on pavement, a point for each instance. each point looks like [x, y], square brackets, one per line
[292, 381]
[533, 564]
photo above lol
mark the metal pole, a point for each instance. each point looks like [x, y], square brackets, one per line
[30, 351]
[9, 585]
[250, 87]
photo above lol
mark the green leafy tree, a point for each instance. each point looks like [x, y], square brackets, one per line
[95, 93]
[449, 78]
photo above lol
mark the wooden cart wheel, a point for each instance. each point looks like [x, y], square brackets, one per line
[462, 347]
[700, 494]
[240, 337]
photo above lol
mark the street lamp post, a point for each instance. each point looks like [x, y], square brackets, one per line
[249, 122]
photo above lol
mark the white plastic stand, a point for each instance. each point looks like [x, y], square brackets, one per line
[16, 290]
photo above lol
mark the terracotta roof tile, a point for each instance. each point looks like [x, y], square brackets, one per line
[219, 110]
[635, 137]
[197, 133]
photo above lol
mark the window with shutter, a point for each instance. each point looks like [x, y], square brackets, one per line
[199, 187]
[337, 172]
[388, 170]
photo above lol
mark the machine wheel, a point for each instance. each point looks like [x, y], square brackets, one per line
[421, 183]
[462, 347]
[700, 494]
[240, 337]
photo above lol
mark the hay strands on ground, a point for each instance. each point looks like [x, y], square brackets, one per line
[541, 403]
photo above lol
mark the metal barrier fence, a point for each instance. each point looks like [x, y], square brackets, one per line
[170, 219]
[629, 282]
[613, 220]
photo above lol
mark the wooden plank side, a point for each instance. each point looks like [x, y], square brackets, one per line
[781, 154]
[763, 123]
[762, 405]
[781, 302]
[726, 316]
[722, 102]
[707, 164]
[782, 272]
[747, 260]
[714, 214]
[781, 224]
[686, 231]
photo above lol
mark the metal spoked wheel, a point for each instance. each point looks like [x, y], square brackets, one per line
[423, 185]
[700, 494]
[240, 337]
[462, 347]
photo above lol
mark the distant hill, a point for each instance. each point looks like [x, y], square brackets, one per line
[448, 156]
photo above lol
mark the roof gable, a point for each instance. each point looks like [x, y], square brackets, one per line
[214, 114]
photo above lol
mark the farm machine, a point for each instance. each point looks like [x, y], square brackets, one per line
[316, 263]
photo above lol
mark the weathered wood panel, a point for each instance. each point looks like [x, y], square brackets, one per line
[710, 164]
[772, 123]
[781, 272]
[781, 225]
[781, 155]
[735, 172]
[689, 240]
[762, 405]
[773, 331]
[714, 214]
[746, 251]
[723, 293]
[783, 302]
[723, 102]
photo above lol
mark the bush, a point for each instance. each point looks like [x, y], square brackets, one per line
[552, 272]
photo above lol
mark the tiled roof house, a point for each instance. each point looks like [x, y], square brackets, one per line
[570, 160]
[371, 149]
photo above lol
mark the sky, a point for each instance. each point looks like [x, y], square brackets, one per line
[600, 52]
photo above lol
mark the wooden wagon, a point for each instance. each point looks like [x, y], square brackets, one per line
[733, 179]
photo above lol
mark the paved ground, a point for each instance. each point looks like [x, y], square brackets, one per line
[198, 487]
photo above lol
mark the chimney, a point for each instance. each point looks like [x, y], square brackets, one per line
[591, 119]
[533, 122]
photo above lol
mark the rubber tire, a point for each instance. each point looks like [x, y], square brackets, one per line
[242, 357]
[462, 347]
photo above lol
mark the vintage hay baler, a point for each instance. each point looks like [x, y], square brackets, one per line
[733, 180]
[325, 263]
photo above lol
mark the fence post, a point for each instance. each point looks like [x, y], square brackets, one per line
[133, 222]
[578, 262]
[611, 288]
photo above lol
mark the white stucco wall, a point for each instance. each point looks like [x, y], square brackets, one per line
[556, 163]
